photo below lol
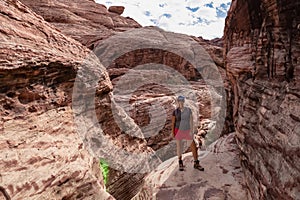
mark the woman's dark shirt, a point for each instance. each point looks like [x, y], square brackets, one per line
[182, 119]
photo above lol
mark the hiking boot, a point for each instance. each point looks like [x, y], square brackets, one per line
[198, 166]
[181, 167]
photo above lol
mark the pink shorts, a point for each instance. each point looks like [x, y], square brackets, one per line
[182, 134]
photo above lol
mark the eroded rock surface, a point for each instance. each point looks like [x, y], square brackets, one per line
[84, 20]
[41, 154]
[222, 178]
[262, 49]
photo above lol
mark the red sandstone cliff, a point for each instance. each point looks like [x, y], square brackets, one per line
[41, 154]
[262, 50]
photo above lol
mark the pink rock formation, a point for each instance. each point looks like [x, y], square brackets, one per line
[41, 154]
[262, 50]
[86, 21]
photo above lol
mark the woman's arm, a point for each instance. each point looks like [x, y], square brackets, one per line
[191, 123]
[173, 126]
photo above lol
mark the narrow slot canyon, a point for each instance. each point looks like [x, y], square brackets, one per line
[80, 83]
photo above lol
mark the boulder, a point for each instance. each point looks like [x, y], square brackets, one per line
[116, 9]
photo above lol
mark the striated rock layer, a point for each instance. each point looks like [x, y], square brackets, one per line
[262, 51]
[41, 154]
[84, 20]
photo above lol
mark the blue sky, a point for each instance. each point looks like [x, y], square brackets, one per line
[204, 18]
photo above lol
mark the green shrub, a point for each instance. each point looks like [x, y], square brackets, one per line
[104, 168]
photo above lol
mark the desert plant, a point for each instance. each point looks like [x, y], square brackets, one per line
[105, 169]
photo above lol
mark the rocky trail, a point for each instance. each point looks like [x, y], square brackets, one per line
[222, 178]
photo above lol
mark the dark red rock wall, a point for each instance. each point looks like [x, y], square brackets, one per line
[262, 49]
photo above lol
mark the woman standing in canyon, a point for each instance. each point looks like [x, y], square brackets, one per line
[183, 129]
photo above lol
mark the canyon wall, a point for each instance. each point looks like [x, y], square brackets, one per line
[262, 51]
[41, 154]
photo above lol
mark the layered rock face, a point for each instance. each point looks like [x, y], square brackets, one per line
[83, 20]
[41, 154]
[262, 50]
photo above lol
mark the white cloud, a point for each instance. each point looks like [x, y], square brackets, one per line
[192, 17]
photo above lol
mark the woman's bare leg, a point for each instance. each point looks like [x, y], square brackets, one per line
[179, 149]
[194, 150]
[195, 155]
[179, 154]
